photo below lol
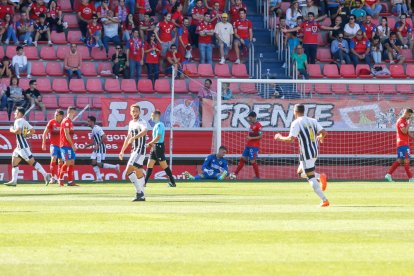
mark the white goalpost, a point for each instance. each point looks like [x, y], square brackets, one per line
[359, 115]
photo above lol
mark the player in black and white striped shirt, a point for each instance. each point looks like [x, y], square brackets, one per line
[309, 133]
[137, 132]
[22, 151]
[99, 153]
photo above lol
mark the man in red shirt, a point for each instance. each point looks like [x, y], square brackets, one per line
[253, 143]
[205, 31]
[67, 147]
[135, 55]
[5, 8]
[197, 14]
[183, 37]
[404, 31]
[235, 10]
[243, 33]
[53, 128]
[216, 14]
[145, 26]
[403, 145]
[85, 13]
[360, 48]
[174, 59]
[95, 31]
[164, 32]
[369, 28]
[36, 9]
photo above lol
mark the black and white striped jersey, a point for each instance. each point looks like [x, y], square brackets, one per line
[306, 130]
[97, 134]
[24, 126]
[134, 128]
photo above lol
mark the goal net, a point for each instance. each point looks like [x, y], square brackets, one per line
[359, 115]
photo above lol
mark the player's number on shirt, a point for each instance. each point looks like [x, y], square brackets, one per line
[311, 134]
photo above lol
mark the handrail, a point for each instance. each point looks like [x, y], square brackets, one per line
[251, 59]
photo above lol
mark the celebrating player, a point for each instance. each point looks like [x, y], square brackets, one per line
[53, 127]
[310, 133]
[253, 143]
[137, 131]
[403, 150]
[22, 129]
[157, 149]
[214, 167]
[67, 147]
[99, 153]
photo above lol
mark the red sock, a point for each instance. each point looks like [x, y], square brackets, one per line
[70, 172]
[53, 168]
[60, 165]
[256, 169]
[408, 170]
[62, 172]
[240, 166]
[394, 166]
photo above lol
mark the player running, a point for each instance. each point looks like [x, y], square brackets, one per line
[137, 131]
[67, 147]
[309, 133]
[403, 149]
[214, 167]
[22, 129]
[253, 143]
[157, 152]
[53, 128]
[99, 154]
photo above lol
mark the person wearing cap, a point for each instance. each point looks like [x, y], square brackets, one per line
[224, 34]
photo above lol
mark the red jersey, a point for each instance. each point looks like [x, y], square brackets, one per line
[183, 33]
[204, 27]
[178, 17]
[86, 11]
[310, 32]
[222, 3]
[369, 30]
[54, 13]
[135, 49]
[4, 9]
[199, 11]
[94, 28]
[166, 29]
[213, 14]
[402, 139]
[66, 124]
[242, 27]
[170, 55]
[254, 131]
[370, 2]
[36, 11]
[360, 46]
[407, 28]
[234, 12]
[54, 129]
[152, 57]
[141, 3]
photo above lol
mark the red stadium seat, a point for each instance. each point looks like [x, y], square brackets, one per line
[94, 86]
[234, 87]
[409, 70]
[388, 89]
[38, 69]
[339, 88]
[48, 53]
[356, 89]
[65, 5]
[397, 71]
[3, 116]
[37, 116]
[314, 71]
[323, 88]
[2, 51]
[96, 102]
[308, 88]
[104, 67]
[82, 101]
[97, 54]
[205, 70]
[372, 88]
[322, 38]
[239, 71]
[72, 20]
[54, 69]
[24, 83]
[190, 69]
[66, 101]
[324, 55]
[348, 71]
[84, 51]
[180, 86]
[6, 81]
[43, 84]
[50, 101]
[195, 85]
[364, 67]
[145, 86]
[31, 53]
[222, 70]
[331, 71]
[77, 85]
[58, 38]
[162, 86]
[112, 86]
[62, 51]
[74, 37]
[88, 69]
[129, 86]
[405, 88]
[60, 85]
[247, 88]
[408, 55]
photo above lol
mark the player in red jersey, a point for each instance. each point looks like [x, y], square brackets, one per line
[253, 143]
[53, 127]
[403, 146]
[67, 147]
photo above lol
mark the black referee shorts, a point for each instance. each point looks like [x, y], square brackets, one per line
[158, 152]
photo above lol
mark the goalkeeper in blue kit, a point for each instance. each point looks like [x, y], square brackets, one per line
[214, 167]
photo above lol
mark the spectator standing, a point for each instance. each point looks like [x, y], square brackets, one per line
[215, 14]
[243, 34]
[343, 11]
[135, 55]
[110, 26]
[205, 92]
[373, 7]
[310, 7]
[275, 7]
[85, 13]
[404, 32]
[103, 9]
[55, 18]
[34, 98]
[368, 27]
[197, 14]
[177, 15]
[205, 34]
[119, 59]
[340, 49]
[383, 31]
[164, 34]
[351, 28]
[399, 7]
[334, 33]
[235, 10]
[224, 35]
[376, 50]
[73, 62]
[152, 52]
[15, 96]
[95, 32]
[292, 14]
[127, 27]
[183, 37]
[122, 12]
[360, 49]
[36, 9]
[9, 30]
[42, 29]
[393, 48]
[332, 6]
[146, 26]
[25, 29]
[174, 59]
[20, 63]
[301, 61]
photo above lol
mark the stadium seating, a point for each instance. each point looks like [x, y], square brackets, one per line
[48, 53]
[180, 86]
[66, 101]
[43, 84]
[348, 71]
[82, 101]
[162, 86]
[397, 71]
[145, 86]
[323, 88]
[129, 86]
[339, 88]
[50, 101]
[58, 38]
[105, 69]
[38, 69]
[88, 69]
[222, 71]
[239, 71]
[324, 55]
[314, 71]
[112, 86]
[409, 70]
[60, 86]
[205, 70]
[191, 70]
[331, 71]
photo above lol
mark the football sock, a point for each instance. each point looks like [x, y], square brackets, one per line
[240, 166]
[317, 175]
[108, 166]
[40, 169]
[256, 169]
[71, 169]
[394, 166]
[148, 174]
[58, 170]
[317, 188]
[53, 168]
[97, 172]
[197, 177]
[141, 183]
[133, 178]
[170, 175]
[62, 171]
[408, 170]
[15, 171]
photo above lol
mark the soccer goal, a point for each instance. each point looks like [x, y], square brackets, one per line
[359, 115]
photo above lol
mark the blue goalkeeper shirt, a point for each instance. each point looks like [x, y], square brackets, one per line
[212, 162]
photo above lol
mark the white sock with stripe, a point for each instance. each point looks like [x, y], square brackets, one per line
[133, 178]
[109, 166]
[141, 182]
[40, 169]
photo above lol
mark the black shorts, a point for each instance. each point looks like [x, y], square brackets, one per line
[158, 152]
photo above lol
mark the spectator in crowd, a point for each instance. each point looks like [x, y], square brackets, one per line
[25, 29]
[383, 31]
[110, 26]
[292, 14]
[343, 11]
[20, 63]
[142, 7]
[73, 62]
[183, 37]
[42, 29]
[146, 26]
[175, 60]
[165, 35]
[310, 7]
[85, 13]
[215, 14]
[5, 67]
[7, 30]
[55, 18]
[95, 32]
[127, 27]
[359, 12]
[293, 41]
[103, 9]
[205, 92]
[243, 34]
[340, 49]
[393, 49]
[404, 32]
[34, 98]
[131, 4]
[333, 34]
[122, 12]
[177, 15]
[224, 35]
[376, 49]
[300, 34]
[332, 6]
[205, 32]
[275, 7]
[15, 96]
[351, 28]
[235, 10]
[152, 52]
[36, 9]
[119, 59]
[197, 14]
[360, 49]
[226, 93]
[368, 27]
[278, 33]
[5, 8]
[373, 7]
[399, 7]
[135, 55]
[301, 61]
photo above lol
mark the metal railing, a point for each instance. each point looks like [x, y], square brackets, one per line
[252, 59]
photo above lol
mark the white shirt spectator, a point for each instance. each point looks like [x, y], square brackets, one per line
[21, 60]
[110, 30]
[224, 31]
[353, 30]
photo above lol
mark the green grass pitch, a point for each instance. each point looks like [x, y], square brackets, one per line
[208, 229]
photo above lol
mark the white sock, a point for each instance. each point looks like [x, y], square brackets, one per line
[40, 169]
[317, 188]
[317, 176]
[15, 170]
[109, 166]
[97, 172]
[133, 178]
[141, 182]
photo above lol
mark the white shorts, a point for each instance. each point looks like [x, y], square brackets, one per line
[136, 159]
[307, 164]
[99, 157]
[25, 154]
